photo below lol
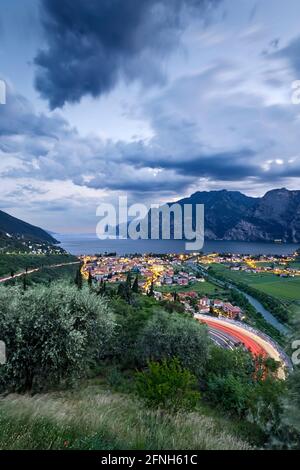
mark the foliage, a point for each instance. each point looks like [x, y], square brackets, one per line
[288, 436]
[246, 387]
[168, 335]
[16, 263]
[252, 316]
[46, 275]
[124, 292]
[167, 385]
[130, 320]
[91, 418]
[57, 333]
[135, 285]
[150, 292]
[172, 306]
[90, 280]
[52, 334]
[265, 405]
[236, 362]
[78, 278]
[229, 392]
[289, 433]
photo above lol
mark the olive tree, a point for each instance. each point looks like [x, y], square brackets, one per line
[52, 334]
[168, 335]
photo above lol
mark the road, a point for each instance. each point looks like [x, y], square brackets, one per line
[30, 271]
[222, 339]
[227, 333]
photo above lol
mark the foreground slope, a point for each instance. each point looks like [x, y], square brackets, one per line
[95, 418]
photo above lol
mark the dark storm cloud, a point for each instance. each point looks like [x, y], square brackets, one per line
[120, 178]
[226, 166]
[29, 134]
[92, 44]
[47, 148]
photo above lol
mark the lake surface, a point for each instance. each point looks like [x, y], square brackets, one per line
[89, 244]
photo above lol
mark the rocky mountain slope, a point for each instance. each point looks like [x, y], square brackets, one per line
[231, 215]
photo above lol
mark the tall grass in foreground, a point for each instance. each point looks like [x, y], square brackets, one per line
[97, 419]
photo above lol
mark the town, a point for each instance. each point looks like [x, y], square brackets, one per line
[176, 277]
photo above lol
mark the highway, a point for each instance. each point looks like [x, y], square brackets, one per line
[222, 339]
[227, 334]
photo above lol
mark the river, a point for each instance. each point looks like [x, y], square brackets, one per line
[268, 316]
[264, 312]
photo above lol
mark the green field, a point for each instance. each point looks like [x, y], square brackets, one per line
[295, 265]
[286, 289]
[281, 288]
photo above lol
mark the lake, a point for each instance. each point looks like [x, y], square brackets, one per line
[89, 244]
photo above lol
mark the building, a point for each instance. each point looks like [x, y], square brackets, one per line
[204, 310]
[231, 310]
[204, 302]
[192, 294]
[182, 281]
[217, 303]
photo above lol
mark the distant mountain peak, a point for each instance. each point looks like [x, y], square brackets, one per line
[232, 215]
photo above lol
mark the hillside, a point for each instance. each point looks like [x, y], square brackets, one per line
[11, 227]
[95, 418]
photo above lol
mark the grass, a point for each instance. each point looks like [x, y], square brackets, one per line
[94, 418]
[294, 264]
[284, 289]
[280, 288]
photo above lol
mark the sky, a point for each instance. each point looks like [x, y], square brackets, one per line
[152, 99]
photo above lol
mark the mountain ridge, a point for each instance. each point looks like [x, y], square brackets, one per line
[12, 227]
[232, 215]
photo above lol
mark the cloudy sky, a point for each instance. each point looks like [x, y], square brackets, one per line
[153, 99]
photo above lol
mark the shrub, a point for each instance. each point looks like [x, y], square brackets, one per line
[248, 387]
[130, 320]
[169, 335]
[229, 392]
[238, 362]
[288, 436]
[52, 335]
[167, 385]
